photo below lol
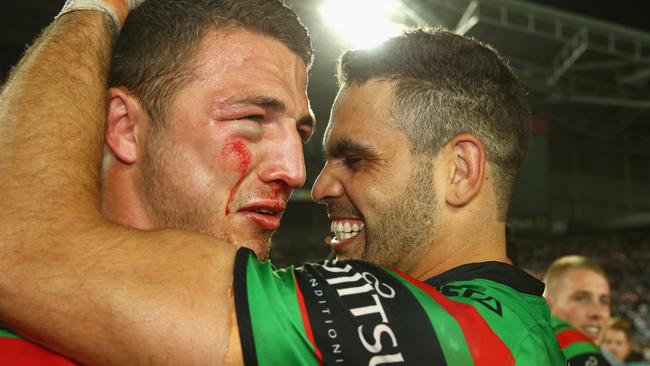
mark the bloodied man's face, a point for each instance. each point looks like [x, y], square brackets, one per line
[231, 150]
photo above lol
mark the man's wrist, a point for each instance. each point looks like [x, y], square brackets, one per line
[93, 5]
[116, 9]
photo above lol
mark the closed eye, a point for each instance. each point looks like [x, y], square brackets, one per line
[254, 117]
[351, 161]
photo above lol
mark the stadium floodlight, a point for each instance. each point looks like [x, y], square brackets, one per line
[365, 23]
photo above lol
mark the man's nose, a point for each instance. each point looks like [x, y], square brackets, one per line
[285, 162]
[327, 186]
[598, 311]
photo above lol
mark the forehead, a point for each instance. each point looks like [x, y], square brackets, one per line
[615, 333]
[363, 112]
[582, 279]
[243, 62]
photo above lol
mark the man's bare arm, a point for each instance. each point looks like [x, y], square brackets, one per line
[154, 298]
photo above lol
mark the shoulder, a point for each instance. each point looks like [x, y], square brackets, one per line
[353, 312]
[510, 302]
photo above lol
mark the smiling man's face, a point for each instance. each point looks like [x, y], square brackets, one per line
[379, 195]
[582, 299]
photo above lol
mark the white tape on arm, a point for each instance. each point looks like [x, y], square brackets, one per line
[98, 5]
[134, 4]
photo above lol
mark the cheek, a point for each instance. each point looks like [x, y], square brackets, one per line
[568, 310]
[235, 156]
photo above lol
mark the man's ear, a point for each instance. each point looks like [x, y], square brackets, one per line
[549, 300]
[467, 169]
[124, 119]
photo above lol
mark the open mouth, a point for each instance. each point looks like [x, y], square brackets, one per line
[591, 331]
[345, 229]
[266, 216]
[266, 212]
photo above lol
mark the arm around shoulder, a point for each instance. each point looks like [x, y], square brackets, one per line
[94, 291]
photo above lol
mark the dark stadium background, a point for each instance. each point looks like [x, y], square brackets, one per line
[585, 188]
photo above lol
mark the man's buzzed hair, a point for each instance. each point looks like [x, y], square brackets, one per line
[153, 54]
[559, 268]
[446, 85]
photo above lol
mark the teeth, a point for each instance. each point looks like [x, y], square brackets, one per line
[339, 227]
[343, 236]
[265, 212]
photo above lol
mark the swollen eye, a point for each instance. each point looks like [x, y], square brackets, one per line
[255, 117]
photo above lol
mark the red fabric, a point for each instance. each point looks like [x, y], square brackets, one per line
[570, 336]
[19, 352]
[486, 347]
[307, 324]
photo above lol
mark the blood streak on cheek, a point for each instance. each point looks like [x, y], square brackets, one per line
[236, 152]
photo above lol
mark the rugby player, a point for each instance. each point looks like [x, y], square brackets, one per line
[424, 144]
[578, 294]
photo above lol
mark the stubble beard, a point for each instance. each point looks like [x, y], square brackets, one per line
[172, 200]
[403, 230]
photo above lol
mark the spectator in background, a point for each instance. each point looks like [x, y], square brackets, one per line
[617, 339]
[578, 293]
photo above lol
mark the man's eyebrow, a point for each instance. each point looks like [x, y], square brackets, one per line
[582, 292]
[274, 105]
[347, 146]
[262, 101]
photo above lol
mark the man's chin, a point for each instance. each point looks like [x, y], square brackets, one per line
[261, 249]
[260, 244]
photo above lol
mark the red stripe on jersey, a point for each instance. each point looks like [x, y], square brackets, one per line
[570, 336]
[19, 352]
[307, 323]
[486, 347]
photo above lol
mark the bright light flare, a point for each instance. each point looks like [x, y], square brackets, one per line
[365, 23]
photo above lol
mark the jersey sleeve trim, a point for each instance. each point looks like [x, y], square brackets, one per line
[241, 304]
[570, 336]
[6, 333]
[485, 346]
[18, 351]
[307, 323]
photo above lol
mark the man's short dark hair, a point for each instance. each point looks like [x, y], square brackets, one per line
[446, 85]
[153, 54]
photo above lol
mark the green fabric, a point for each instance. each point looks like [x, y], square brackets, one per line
[522, 321]
[274, 308]
[559, 325]
[450, 335]
[523, 326]
[579, 348]
[6, 333]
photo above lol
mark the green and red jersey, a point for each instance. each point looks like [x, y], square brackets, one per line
[16, 351]
[578, 349]
[355, 313]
